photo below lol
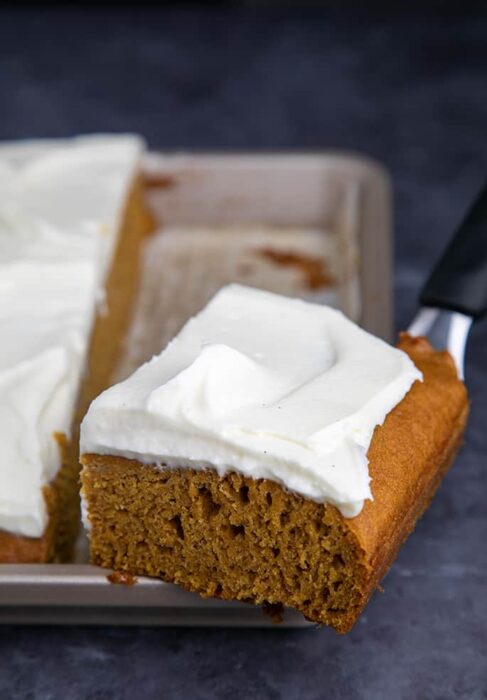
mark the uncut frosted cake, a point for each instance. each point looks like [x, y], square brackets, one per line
[71, 222]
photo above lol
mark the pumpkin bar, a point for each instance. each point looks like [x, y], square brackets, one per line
[274, 453]
[72, 218]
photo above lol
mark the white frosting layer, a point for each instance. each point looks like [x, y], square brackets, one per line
[60, 206]
[264, 385]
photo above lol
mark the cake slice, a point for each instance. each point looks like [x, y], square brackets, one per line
[273, 453]
[72, 218]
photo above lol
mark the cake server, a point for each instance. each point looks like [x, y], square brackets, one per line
[455, 293]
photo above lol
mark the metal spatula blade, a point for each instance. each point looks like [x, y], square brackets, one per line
[444, 329]
[455, 293]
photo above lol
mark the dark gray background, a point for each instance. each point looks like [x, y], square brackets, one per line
[408, 87]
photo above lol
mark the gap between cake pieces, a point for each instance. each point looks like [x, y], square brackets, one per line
[273, 453]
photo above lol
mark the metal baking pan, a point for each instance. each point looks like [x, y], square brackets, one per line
[311, 225]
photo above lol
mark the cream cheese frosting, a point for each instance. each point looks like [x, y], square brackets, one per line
[60, 209]
[264, 385]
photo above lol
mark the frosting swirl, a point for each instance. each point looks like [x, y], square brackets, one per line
[264, 385]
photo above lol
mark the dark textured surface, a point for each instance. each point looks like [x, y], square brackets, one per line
[407, 89]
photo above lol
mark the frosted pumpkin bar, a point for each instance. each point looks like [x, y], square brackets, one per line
[273, 453]
[71, 222]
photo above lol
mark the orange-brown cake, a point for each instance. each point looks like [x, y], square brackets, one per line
[72, 218]
[273, 453]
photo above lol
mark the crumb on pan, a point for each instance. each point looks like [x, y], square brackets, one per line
[122, 577]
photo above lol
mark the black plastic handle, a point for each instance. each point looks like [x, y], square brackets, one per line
[459, 280]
